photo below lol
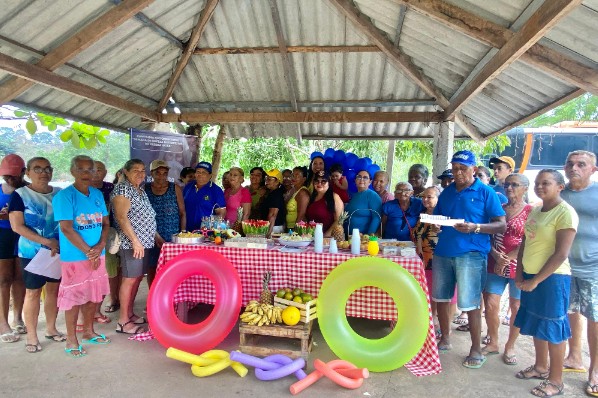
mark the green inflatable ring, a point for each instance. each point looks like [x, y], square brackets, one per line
[405, 340]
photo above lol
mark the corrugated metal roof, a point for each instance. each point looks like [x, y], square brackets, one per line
[136, 60]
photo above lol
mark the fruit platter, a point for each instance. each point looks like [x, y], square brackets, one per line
[188, 238]
[295, 240]
[305, 228]
[255, 228]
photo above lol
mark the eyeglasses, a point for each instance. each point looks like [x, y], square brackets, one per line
[86, 171]
[513, 185]
[403, 191]
[358, 177]
[320, 182]
[39, 170]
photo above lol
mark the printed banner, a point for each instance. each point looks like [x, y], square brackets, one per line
[177, 150]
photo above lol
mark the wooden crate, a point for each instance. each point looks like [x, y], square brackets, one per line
[307, 310]
[292, 341]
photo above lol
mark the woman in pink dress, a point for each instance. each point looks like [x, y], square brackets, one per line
[502, 265]
[237, 196]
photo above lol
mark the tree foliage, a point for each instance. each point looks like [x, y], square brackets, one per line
[582, 108]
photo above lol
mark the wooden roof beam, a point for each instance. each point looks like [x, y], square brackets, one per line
[301, 117]
[75, 44]
[290, 49]
[548, 15]
[547, 59]
[37, 74]
[204, 18]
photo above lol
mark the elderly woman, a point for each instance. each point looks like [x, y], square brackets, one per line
[237, 196]
[135, 222]
[544, 277]
[257, 189]
[297, 204]
[418, 177]
[325, 206]
[273, 207]
[32, 217]
[502, 264]
[12, 170]
[364, 207]
[400, 215]
[380, 185]
[167, 201]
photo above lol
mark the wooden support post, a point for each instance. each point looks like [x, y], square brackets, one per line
[390, 158]
[217, 156]
[444, 137]
[195, 129]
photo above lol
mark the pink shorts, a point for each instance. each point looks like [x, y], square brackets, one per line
[80, 284]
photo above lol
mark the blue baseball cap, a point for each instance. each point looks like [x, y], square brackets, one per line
[204, 165]
[446, 174]
[466, 158]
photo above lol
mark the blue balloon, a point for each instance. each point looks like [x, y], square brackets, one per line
[350, 159]
[368, 161]
[329, 152]
[361, 164]
[350, 174]
[314, 154]
[373, 169]
[352, 186]
[328, 161]
[339, 156]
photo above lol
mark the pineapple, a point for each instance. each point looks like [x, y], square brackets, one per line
[238, 226]
[266, 296]
[338, 232]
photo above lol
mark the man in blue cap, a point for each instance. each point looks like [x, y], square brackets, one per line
[446, 178]
[203, 198]
[461, 254]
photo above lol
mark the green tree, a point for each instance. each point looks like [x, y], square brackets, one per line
[582, 108]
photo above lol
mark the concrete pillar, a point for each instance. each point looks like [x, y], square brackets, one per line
[390, 158]
[444, 137]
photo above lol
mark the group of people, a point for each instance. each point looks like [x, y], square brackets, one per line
[502, 241]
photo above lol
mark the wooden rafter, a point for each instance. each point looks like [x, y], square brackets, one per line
[400, 60]
[548, 15]
[290, 49]
[75, 44]
[37, 74]
[204, 18]
[232, 105]
[302, 117]
[551, 61]
[464, 122]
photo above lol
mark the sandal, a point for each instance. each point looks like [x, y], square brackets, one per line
[33, 348]
[138, 321]
[79, 328]
[509, 359]
[20, 328]
[112, 307]
[463, 327]
[9, 337]
[59, 338]
[531, 373]
[71, 352]
[592, 389]
[460, 320]
[486, 340]
[540, 390]
[97, 339]
[120, 328]
[101, 319]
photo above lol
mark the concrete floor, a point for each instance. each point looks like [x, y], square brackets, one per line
[131, 369]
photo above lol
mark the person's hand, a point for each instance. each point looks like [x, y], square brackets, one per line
[436, 228]
[159, 241]
[4, 213]
[138, 249]
[465, 227]
[52, 244]
[94, 264]
[528, 285]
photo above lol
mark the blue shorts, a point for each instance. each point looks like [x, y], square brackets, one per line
[468, 272]
[495, 284]
[583, 297]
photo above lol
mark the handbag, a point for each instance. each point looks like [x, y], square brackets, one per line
[113, 241]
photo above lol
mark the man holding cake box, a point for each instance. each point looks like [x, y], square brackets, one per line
[462, 250]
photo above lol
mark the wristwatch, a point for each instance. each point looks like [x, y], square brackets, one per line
[477, 228]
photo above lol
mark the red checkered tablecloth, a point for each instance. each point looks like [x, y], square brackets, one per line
[306, 270]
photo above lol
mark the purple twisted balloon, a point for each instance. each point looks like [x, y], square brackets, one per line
[271, 367]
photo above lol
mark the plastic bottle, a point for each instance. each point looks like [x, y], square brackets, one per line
[218, 239]
[355, 242]
[319, 239]
[332, 249]
[373, 247]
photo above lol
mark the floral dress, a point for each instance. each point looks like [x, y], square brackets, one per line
[429, 238]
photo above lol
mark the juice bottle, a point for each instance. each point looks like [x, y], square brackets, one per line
[373, 248]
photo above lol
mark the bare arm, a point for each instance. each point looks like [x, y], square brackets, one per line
[246, 211]
[497, 225]
[181, 204]
[302, 199]
[339, 207]
[121, 206]
[17, 223]
[272, 213]
[564, 240]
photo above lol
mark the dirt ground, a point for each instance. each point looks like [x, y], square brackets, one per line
[132, 369]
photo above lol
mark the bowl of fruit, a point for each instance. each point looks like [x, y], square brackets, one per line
[295, 240]
[255, 228]
[305, 228]
[185, 237]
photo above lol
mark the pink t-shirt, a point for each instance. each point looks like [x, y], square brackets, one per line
[233, 202]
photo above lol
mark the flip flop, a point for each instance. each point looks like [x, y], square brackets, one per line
[120, 328]
[592, 389]
[36, 348]
[102, 319]
[9, 337]
[95, 340]
[486, 352]
[70, 351]
[463, 328]
[460, 321]
[478, 362]
[59, 338]
[138, 321]
[444, 347]
[79, 328]
[112, 307]
[571, 369]
[20, 328]
[509, 359]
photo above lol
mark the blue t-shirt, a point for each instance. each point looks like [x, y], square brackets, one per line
[502, 194]
[86, 212]
[4, 199]
[362, 209]
[478, 204]
[201, 202]
[399, 226]
[38, 216]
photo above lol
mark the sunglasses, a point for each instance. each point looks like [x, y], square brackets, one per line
[362, 178]
[320, 182]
